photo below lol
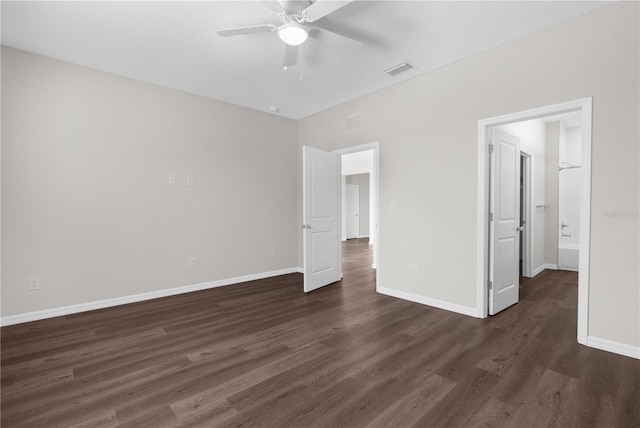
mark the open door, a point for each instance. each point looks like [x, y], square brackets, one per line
[351, 210]
[321, 193]
[504, 221]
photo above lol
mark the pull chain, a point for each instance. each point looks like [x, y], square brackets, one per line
[300, 63]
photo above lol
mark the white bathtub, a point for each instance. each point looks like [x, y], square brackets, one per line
[568, 257]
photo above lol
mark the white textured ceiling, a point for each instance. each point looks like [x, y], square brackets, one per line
[175, 44]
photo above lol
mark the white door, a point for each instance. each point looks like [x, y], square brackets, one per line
[351, 210]
[504, 228]
[321, 193]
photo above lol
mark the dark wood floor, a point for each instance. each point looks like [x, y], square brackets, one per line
[264, 354]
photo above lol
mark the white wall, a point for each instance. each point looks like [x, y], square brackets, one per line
[554, 132]
[569, 181]
[86, 204]
[532, 141]
[428, 130]
[357, 163]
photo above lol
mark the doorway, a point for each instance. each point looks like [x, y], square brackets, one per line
[322, 201]
[359, 167]
[484, 214]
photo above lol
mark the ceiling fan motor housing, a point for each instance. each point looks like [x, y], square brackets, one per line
[293, 16]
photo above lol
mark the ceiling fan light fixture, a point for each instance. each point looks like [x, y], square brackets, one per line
[293, 34]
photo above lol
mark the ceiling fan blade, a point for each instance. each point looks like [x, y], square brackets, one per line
[247, 30]
[275, 5]
[290, 56]
[334, 39]
[322, 8]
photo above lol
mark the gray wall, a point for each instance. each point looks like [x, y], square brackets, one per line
[428, 133]
[362, 181]
[86, 204]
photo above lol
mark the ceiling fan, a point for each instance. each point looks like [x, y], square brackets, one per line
[294, 31]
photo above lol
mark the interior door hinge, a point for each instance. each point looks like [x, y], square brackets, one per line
[490, 216]
[490, 148]
[490, 285]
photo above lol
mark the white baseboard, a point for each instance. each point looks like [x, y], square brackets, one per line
[615, 347]
[101, 304]
[537, 271]
[540, 268]
[441, 304]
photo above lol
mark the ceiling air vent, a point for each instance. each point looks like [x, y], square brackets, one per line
[353, 123]
[399, 68]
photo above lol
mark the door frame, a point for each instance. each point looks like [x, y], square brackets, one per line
[527, 213]
[584, 106]
[375, 204]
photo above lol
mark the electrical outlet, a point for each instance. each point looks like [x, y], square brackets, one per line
[172, 179]
[190, 180]
[273, 254]
[34, 284]
[192, 263]
[415, 270]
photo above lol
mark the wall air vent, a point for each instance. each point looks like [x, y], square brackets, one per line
[399, 68]
[353, 123]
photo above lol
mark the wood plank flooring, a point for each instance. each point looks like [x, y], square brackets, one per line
[264, 354]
